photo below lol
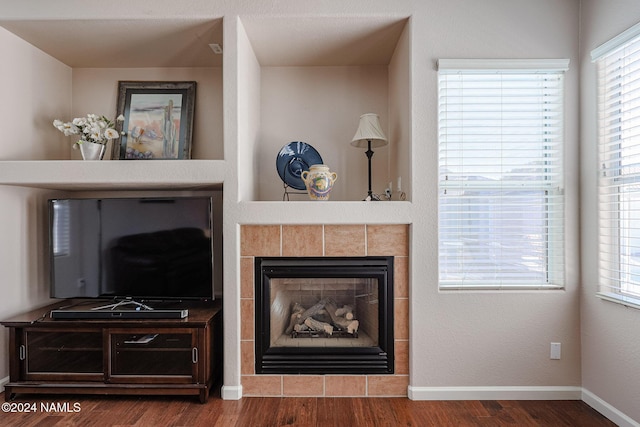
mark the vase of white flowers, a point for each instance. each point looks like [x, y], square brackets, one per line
[94, 132]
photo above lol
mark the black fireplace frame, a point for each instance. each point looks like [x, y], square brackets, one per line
[324, 360]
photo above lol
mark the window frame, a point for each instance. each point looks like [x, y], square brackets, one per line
[615, 181]
[555, 264]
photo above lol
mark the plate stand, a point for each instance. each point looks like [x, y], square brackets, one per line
[289, 190]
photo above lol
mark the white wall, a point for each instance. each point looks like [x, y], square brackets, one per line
[610, 338]
[316, 105]
[30, 96]
[400, 117]
[488, 339]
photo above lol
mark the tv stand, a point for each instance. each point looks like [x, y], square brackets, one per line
[115, 356]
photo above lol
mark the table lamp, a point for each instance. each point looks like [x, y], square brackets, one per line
[370, 135]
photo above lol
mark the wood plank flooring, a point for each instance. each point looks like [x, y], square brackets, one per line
[164, 411]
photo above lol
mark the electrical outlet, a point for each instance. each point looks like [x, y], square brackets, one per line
[216, 48]
[556, 351]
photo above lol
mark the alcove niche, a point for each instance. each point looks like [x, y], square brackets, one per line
[309, 79]
[89, 57]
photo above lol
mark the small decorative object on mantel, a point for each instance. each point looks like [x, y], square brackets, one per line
[369, 135]
[293, 159]
[94, 132]
[319, 181]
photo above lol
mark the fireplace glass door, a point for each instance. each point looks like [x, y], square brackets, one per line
[324, 315]
[335, 312]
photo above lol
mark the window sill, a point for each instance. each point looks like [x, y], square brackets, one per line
[448, 288]
[619, 299]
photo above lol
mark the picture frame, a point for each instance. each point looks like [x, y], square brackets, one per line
[158, 120]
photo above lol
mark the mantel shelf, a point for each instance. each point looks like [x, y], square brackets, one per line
[114, 174]
[325, 212]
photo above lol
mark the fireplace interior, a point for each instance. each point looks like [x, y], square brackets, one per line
[324, 315]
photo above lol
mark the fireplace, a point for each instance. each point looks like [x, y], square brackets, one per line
[324, 315]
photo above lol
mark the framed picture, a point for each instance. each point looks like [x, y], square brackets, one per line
[158, 120]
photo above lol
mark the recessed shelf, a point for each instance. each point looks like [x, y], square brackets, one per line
[310, 79]
[114, 175]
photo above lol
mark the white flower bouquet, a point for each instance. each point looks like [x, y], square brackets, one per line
[92, 128]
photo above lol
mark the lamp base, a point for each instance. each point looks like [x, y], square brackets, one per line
[371, 198]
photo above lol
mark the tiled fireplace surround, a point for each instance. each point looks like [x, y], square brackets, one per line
[325, 240]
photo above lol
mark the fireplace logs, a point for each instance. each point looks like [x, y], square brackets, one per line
[322, 320]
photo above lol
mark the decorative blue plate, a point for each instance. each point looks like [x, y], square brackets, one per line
[293, 159]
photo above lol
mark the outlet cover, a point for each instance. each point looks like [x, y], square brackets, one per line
[556, 351]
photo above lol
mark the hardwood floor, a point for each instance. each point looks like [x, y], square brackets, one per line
[262, 412]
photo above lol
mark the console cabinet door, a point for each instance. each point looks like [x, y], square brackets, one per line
[151, 356]
[50, 354]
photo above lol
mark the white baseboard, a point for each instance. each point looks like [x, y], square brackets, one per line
[231, 392]
[495, 393]
[607, 410]
[3, 381]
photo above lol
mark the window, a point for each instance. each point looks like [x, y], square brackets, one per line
[501, 202]
[61, 228]
[618, 68]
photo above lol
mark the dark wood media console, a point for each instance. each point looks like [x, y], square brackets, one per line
[115, 356]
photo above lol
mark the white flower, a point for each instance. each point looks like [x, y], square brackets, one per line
[93, 128]
[66, 128]
[110, 133]
[79, 121]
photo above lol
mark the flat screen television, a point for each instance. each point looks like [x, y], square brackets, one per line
[144, 249]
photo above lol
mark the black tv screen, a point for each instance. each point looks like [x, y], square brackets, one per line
[154, 248]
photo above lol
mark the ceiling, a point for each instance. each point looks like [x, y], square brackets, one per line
[181, 42]
[284, 41]
[124, 43]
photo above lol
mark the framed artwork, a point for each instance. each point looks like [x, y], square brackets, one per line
[158, 120]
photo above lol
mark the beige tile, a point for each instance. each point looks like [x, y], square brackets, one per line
[392, 385]
[247, 319]
[344, 240]
[260, 240]
[401, 318]
[401, 277]
[247, 358]
[401, 353]
[261, 385]
[388, 240]
[302, 240]
[247, 284]
[345, 385]
[303, 385]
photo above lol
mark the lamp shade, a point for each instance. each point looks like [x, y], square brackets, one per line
[369, 129]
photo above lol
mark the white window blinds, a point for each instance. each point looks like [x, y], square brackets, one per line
[501, 203]
[618, 68]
